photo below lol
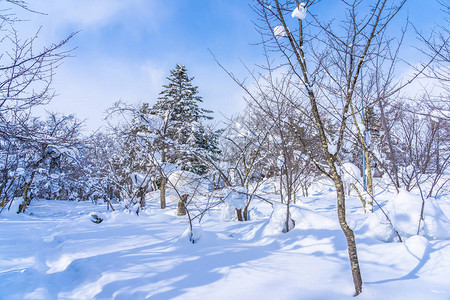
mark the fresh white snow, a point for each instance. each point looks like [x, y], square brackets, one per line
[279, 31]
[56, 252]
[300, 11]
[404, 211]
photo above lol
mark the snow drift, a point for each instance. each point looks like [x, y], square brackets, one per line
[404, 212]
[277, 221]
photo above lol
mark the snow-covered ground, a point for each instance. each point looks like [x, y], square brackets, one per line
[56, 252]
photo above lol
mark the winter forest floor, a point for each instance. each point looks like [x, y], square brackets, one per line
[56, 252]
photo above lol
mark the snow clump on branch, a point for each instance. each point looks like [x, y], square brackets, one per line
[300, 11]
[279, 32]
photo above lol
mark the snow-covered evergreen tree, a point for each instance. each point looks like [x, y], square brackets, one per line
[185, 137]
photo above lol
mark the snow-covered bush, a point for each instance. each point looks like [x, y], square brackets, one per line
[186, 182]
[194, 235]
[350, 173]
[235, 197]
[277, 221]
[227, 212]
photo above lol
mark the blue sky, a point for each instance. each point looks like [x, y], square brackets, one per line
[125, 49]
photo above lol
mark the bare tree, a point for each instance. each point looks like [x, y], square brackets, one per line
[244, 156]
[140, 160]
[327, 59]
[438, 46]
[273, 101]
[26, 73]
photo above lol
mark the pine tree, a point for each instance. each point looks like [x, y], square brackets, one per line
[185, 135]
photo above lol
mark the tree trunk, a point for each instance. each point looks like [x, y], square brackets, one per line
[387, 132]
[162, 192]
[142, 196]
[348, 232]
[182, 205]
[366, 154]
[246, 217]
[288, 218]
[369, 180]
[239, 215]
[363, 201]
[351, 243]
[26, 200]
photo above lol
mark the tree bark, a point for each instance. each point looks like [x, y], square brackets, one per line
[369, 180]
[359, 195]
[142, 196]
[239, 215]
[26, 200]
[387, 133]
[182, 205]
[348, 232]
[162, 192]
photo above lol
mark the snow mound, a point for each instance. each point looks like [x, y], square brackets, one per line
[277, 221]
[186, 182]
[227, 213]
[306, 219]
[193, 236]
[255, 214]
[172, 197]
[11, 208]
[404, 213]
[228, 210]
[300, 11]
[350, 173]
[235, 197]
[417, 246]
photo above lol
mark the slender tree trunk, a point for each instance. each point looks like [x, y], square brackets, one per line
[348, 232]
[340, 193]
[246, 218]
[142, 196]
[359, 195]
[387, 132]
[351, 243]
[369, 180]
[182, 205]
[239, 215]
[162, 192]
[162, 189]
[281, 187]
[288, 216]
[288, 202]
[26, 200]
[367, 158]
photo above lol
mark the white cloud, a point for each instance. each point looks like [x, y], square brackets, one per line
[86, 12]
[154, 73]
[129, 64]
[59, 18]
[87, 90]
[420, 85]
